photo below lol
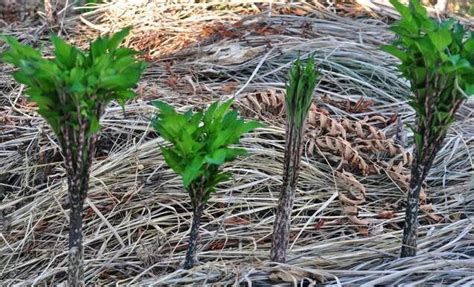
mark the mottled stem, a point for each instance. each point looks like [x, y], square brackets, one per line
[77, 162]
[421, 166]
[193, 236]
[411, 213]
[281, 225]
[76, 260]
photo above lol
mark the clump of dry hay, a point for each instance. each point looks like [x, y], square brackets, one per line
[137, 216]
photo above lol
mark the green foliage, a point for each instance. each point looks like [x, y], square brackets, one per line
[438, 60]
[200, 143]
[299, 91]
[75, 85]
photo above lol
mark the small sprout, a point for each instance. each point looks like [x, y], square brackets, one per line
[198, 145]
[299, 96]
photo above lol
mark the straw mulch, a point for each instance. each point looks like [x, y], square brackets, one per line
[348, 213]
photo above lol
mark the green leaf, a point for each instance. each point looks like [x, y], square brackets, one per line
[98, 48]
[440, 39]
[222, 155]
[65, 53]
[419, 11]
[221, 110]
[68, 89]
[419, 75]
[192, 171]
[172, 159]
[426, 48]
[469, 89]
[21, 51]
[250, 126]
[300, 89]
[469, 46]
[199, 143]
[163, 107]
[22, 78]
[77, 87]
[442, 116]
[42, 101]
[217, 157]
[94, 125]
[418, 141]
[115, 82]
[402, 9]
[394, 51]
[117, 38]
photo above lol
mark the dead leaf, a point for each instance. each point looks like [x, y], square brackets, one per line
[363, 230]
[350, 210]
[229, 87]
[358, 221]
[40, 226]
[236, 221]
[386, 214]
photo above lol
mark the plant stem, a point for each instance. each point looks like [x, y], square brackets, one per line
[422, 163]
[192, 246]
[78, 186]
[281, 225]
[77, 167]
[76, 260]
[411, 213]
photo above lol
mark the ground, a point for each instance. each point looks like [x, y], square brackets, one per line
[348, 213]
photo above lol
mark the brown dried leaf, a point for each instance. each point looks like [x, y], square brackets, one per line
[362, 229]
[351, 181]
[350, 210]
[386, 214]
[236, 221]
[344, 149]
[229, 87]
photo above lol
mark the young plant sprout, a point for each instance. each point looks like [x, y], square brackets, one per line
[299, 95]
[438, 60]
[199, 143]
[71, 92]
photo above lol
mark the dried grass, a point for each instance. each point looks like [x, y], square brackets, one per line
[137, 216]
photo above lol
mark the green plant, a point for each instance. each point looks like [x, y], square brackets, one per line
[299, 96]
[71, 92]
[438, 60]
[199, 143]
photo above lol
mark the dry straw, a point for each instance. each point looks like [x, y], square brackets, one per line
[137, 216]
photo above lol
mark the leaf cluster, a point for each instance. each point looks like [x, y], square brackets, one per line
[73, 86]
[299, 90]
[199, 143]
[438, 60]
